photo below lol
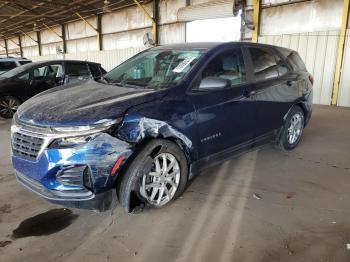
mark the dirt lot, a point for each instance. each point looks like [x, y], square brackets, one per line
[266, 205]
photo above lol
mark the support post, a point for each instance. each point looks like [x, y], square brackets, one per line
[99, 32]
[256, 20]
[340, 53]
[63, 31]
[6, 47]
[38, 37]
[156, 20]
[20, 46]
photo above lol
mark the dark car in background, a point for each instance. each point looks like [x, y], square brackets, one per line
[152, 123]
[21, 83]
[8, 63]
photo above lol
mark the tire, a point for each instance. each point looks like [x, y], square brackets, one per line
[9, 106]
[293, 129]
[147, 169]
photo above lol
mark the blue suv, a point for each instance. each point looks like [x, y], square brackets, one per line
[148, 126]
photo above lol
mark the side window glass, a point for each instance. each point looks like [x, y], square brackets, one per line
[264, 64]
[77, 69]
[24, 76]
[48, 71]
[6, 66]
[281, 66]
[95, 70]
[228, 65]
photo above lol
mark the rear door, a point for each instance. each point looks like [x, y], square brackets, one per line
[273, 92]
[224, 117]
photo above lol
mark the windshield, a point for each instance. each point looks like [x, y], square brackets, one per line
[154, 69]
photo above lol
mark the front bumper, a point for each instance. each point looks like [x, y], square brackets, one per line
[82, 199]
[57, 174]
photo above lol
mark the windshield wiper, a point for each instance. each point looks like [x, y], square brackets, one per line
[125, 84]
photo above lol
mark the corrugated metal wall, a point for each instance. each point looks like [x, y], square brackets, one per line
[108, 58]
[318, 50]
[344, 91]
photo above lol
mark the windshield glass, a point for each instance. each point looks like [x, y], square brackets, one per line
[154, 69]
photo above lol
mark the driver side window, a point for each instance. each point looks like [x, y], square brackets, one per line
[227, 65]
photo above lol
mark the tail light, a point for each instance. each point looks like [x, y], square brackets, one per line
[311, 78]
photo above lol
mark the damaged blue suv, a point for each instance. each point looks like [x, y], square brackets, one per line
[142, 131]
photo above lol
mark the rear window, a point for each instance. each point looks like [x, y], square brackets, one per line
[293, 58]
[264, 63]
[77, 69]
[7, 65]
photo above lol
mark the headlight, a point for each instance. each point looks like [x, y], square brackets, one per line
[72, 136]
[69, 142]
[98, 127]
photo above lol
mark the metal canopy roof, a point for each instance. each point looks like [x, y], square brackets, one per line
[17, 17]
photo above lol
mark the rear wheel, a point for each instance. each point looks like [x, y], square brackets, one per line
[8, 106]
[292, 129]
[155, 177]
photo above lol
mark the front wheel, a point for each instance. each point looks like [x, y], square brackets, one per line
[292, 129]
[8, 106]
[156, 176]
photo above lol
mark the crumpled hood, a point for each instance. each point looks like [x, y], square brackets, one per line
[84, 104]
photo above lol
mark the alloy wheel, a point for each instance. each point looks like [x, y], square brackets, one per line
[296, 128]
[159, 186]
[8, 107]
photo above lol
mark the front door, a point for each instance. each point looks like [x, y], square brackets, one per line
[224, 116]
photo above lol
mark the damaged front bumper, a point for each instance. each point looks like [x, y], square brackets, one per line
[80, 177]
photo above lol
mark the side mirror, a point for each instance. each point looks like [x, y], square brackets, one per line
[214, 83]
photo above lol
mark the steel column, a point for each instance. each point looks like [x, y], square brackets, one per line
[256, 20]
[340, 54]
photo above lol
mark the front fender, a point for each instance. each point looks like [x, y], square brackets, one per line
[136, 128]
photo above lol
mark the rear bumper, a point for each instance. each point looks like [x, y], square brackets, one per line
[83, 198]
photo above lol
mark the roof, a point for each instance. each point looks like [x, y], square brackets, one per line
[17, 17]
[206, 45]
[10, 58]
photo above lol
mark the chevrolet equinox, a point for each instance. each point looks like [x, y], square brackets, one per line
[142, 131]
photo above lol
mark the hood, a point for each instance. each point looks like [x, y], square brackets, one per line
[84, 104]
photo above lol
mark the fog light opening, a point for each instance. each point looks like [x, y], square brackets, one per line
[87, 178]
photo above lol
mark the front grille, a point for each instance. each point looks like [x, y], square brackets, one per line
[26, 146]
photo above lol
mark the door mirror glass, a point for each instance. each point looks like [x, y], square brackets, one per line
[214, 83]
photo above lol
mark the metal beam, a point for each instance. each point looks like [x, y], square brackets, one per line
[39, 42]
[256, 20]
[154, 22]
[63, 30]
[340, 54]
[20, 46]
[6, 47]
[29, 36]
[53, 31]
[98, 34]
